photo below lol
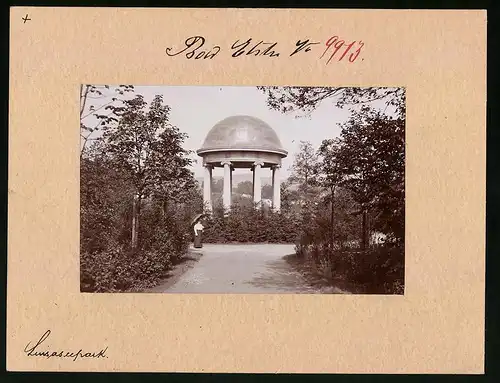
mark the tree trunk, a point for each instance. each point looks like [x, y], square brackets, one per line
[164, 207]
[135, 221]
[332, 214]
[83, 101]
[364, 227]
[83, 98]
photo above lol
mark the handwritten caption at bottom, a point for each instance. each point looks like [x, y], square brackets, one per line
[41, 351]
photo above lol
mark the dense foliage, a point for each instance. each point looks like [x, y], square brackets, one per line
[245, 223]
[305, 100]
[351, 188]
[137, 199]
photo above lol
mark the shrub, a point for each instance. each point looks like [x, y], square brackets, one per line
[248, 224]
[118, 268]
[108, 263]
[379, 270]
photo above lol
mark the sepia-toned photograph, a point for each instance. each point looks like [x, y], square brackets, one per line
[232, 189]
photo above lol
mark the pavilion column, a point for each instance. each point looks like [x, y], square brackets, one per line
[231, 183]
[276, 188]
[257, 188]
[207, 187]
[253, 182]
[226, 197]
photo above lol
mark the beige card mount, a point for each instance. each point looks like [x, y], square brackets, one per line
[205, 63]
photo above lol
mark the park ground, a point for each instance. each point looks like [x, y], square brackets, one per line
[242, 268]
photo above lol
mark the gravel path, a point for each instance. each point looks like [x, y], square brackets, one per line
[241, 268]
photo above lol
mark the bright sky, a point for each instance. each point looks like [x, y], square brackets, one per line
[196, 109]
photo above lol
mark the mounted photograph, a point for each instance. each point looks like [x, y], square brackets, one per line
[240, 189]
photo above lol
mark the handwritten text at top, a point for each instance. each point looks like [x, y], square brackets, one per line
[337, 49]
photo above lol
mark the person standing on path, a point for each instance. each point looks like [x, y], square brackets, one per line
[198, 231]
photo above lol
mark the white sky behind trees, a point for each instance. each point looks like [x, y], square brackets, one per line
[196, 109]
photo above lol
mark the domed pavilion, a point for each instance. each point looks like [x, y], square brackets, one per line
[242, 142]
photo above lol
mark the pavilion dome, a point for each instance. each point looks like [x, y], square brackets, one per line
[242, 133]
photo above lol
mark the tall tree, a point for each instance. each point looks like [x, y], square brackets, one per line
[386, 156]
[288, 196]
[171, 178]
[372, 157]
[330, 175]
[304, 177]
[305, 170]
[149, 148]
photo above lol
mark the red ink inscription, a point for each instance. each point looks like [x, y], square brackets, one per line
[338, 48]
